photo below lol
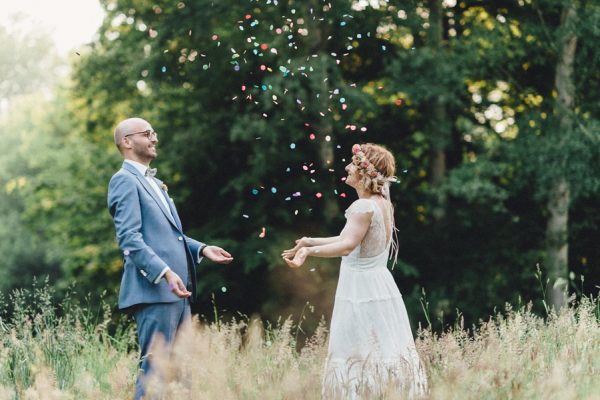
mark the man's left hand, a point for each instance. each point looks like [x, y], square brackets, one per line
[217, 254]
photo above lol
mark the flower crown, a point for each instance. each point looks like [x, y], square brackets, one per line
[374, 179]
[362, 162]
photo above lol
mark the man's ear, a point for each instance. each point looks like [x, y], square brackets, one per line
[125, 143]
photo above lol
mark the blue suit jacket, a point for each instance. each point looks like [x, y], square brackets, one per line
[150, 239]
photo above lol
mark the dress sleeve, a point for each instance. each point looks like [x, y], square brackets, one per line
[360, 206]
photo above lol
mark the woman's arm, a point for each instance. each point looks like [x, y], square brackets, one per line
[353, 233]
[308, 242]
[311, 241]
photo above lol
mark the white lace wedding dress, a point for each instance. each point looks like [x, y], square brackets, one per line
[371, 347]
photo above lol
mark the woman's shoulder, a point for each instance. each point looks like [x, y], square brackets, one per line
[361, 206]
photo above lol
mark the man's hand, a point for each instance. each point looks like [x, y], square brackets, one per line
[176, 285]
[217, 254]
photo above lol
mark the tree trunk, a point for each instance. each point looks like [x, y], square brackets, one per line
[557, 240]
[557, 244]
[439, 117]
[318, 45]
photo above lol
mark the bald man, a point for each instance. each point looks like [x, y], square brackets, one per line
[160, 261]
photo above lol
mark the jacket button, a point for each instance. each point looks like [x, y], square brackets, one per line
[180, 238]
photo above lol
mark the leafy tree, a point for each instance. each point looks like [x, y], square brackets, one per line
[28, 62]
[257, 104]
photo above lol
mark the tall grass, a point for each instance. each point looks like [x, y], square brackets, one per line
[62, 351]
[65, 351]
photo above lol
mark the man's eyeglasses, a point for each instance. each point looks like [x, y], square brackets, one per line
[148, 133]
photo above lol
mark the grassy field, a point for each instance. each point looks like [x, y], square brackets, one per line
[514, 355]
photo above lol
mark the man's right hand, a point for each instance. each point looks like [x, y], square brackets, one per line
[176, 285]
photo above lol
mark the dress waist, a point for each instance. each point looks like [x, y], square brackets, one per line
[365, 263]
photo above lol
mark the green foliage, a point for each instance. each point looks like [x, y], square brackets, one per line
[20, 72]
[235, 148]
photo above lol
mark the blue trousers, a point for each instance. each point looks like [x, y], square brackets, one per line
[157, 319]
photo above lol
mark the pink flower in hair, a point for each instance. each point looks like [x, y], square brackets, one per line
[373, 174]
[355, 149]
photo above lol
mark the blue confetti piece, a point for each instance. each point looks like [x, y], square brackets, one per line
[273, 190]
[255, 192]
[293, 146]
[164, 69]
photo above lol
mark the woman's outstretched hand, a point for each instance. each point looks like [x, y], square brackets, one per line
[299, 258]
[290, 253]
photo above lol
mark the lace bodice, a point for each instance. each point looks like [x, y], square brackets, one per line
[376, 239]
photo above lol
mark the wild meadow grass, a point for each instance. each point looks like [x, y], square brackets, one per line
[67, 351]
[62, 350]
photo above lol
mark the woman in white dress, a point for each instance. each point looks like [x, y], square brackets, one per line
[371, 348]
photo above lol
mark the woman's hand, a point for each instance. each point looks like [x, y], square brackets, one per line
[300, 243]
[299, 258]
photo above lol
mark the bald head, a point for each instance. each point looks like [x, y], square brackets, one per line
[128, 126]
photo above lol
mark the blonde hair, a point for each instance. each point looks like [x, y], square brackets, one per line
[385, 167]
[376, 167]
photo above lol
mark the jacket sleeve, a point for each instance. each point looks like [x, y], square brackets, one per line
[124, 207]
[195, 248]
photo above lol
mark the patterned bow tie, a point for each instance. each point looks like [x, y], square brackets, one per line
[151, 172]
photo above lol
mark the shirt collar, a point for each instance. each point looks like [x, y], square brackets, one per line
[139, 166]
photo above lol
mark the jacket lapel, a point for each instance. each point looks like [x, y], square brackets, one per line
[170, 203]
[150, 191]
